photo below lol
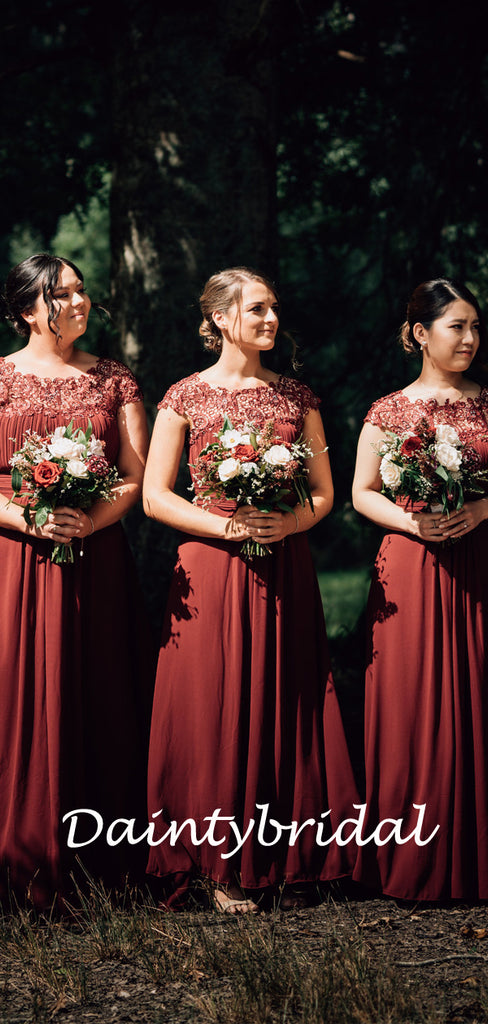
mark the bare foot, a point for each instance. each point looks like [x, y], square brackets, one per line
[229, 902]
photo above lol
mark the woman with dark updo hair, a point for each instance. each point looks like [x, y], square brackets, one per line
[426, 729]
[74, 675]
[246, 724]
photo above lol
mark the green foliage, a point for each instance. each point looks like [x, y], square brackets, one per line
[376, 155]
[344, 595]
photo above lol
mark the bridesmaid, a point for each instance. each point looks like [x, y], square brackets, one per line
[245, 720]
[426, 728]
[75, 652]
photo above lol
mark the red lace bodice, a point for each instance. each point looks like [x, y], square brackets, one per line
[397, 413]
[102, 389]
[40, 404]
[204, 406]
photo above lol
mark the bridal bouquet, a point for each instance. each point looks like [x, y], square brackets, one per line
[254, 467]
[430, 464]
[68, 467]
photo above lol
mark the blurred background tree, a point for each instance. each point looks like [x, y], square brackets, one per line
[339, 147]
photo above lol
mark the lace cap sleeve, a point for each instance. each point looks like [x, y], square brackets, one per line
[118, 381]
[300, 394]
[309, 399]
[376, 413]
[384, 412]
[176, 398]
[127, 387]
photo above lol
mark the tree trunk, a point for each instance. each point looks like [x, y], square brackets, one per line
[193, 169]
[193, 190]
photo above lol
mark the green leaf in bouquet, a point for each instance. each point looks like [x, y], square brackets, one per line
[444, 475]
[227, 423]
[41, 516]
[89, 430]
[16, 479]
[69, 430]
[303, 492]
[27, 516]
[264, 506]
[457, 494]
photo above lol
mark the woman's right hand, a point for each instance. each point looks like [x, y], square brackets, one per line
[426, 526]
[61, 526]
[236, 527]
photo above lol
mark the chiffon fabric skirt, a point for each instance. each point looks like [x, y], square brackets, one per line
[76, 657]
[246, 717]
[426, 729]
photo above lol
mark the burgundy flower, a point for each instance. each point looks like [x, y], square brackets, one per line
[410, 446]
[98, 465]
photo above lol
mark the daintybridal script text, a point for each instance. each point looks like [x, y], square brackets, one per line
[87, 825]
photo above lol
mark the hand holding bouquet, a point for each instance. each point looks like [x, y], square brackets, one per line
[432, 465]
[68, 467]
[254, 467]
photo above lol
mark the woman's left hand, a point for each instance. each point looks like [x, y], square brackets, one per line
[465, 519]
[268, 527]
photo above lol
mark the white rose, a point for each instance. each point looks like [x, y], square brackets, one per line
[228, 469]
[446, 435]
[390, 473]
[77, 468]
[277, 455]
[230, 438]
[95, 447]
[448, 456]
[65, 448]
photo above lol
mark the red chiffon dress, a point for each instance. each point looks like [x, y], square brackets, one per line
[426, 728]
[74, 662]
[245, 717]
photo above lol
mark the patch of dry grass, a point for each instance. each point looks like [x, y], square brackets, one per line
[124, 959]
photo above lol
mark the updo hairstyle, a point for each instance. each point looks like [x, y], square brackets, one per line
[34, 276]
[429, 302]
[220, 293]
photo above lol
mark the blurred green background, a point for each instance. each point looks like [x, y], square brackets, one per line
[341, 148]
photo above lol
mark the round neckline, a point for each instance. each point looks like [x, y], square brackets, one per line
[238, 391]
[14, 372]
[448, 402]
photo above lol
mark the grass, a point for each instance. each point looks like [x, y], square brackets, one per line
[344, 595]
[198, 967]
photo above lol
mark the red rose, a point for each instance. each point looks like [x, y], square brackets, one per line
[47, 473]
[245, 453]
[410, 446]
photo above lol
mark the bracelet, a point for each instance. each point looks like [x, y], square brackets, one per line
[92, 523]
[296, 521]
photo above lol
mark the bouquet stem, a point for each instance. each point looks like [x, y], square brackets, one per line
[253, 549]
[62, 553]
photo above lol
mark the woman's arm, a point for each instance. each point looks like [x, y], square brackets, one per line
[160, 501]
[269, 527]
[65, 523]
[368, 500]
[131, 460]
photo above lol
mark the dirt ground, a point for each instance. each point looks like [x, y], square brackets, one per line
[439, 953]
